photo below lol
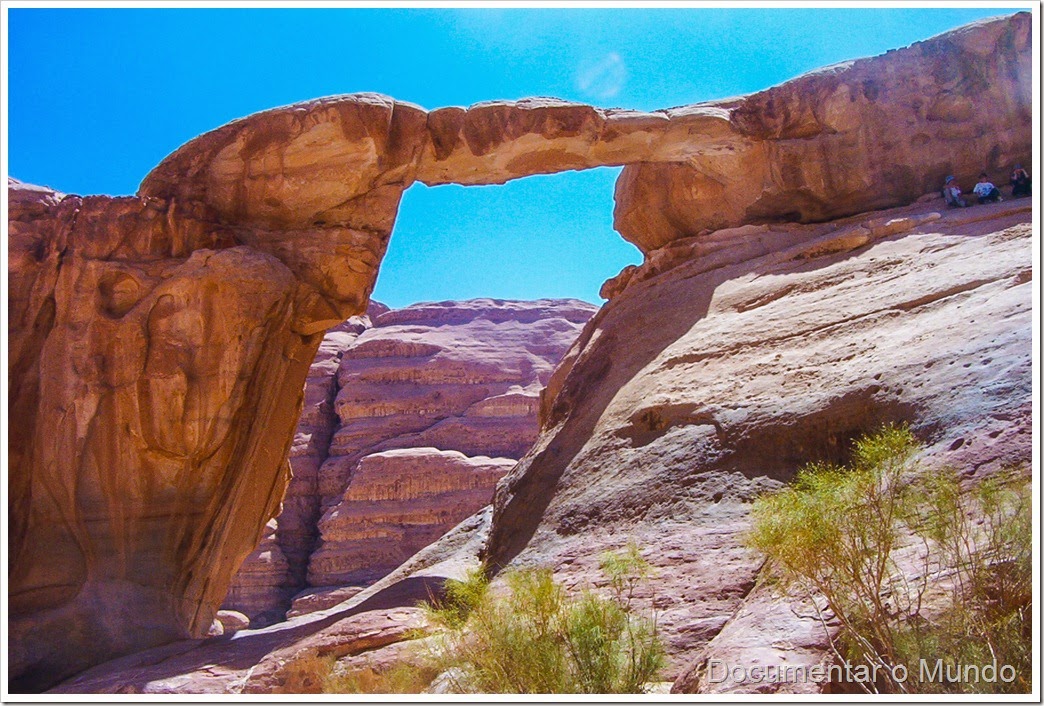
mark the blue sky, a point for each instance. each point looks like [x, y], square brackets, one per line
[97, 97]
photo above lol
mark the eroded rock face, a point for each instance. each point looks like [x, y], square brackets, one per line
[159, 344]
[276, 569]
[398, 502]
[698, 386]
[156, 370]
[372, 626]
[480, 365]
[457, 382]
[712, 377]
[865, 134]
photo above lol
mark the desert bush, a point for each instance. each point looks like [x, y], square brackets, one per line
[459, 599]
[320, 674]
[400, 678]
[532, 637]
[965, 595]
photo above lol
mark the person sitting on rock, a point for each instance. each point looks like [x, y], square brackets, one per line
[1020, 182]
[952, 193]
[986, 191]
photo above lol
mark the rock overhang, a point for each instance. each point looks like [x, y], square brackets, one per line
[858, 135]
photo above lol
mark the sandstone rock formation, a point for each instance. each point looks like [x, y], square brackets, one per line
[712, 377]
[458, 377]
[398, 502]
[371, 627]
[156, 372]
[478, 366]
[277, 567]
[232, 621]
[695, 388]
[159, 344]
[860, 135]
[864, 134]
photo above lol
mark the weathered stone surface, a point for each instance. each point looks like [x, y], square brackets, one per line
[398, 502]
[263, 583]
[865, 134]
[159, 344]
[860, 135]
[276, 570]
[263, 661]
[494, 142]
[313, 599]
[694, 389]
[342, 160]
[251, 661]
[461, 378]
[459, 344]
[142, 340]
[780, 636]
[232, 621]
[713, 377]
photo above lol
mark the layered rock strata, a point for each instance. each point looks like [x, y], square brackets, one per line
[723, 366]
[159, 344]
[411, 416]
[277, 568]
[397, 503]
[699, 385]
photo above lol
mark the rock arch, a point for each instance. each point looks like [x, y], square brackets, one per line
[159, 343]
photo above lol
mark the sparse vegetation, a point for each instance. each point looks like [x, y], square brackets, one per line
[531, 637]
[400, 678]
[305, 675]
[320, 674]
[914, 568]
[534, 638]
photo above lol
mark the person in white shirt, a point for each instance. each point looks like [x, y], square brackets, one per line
[986, 191]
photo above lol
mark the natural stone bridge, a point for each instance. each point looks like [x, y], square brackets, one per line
[159, 343]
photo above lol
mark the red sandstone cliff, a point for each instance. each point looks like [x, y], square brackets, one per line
[410, 418]
[709, 379]
[276, 569]
[159, 344]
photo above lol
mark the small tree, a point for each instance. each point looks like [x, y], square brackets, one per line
[835, 533]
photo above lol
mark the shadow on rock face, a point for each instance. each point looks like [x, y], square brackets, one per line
[243, 651]
[713, 380]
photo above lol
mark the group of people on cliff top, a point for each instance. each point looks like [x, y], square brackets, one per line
[985, 191]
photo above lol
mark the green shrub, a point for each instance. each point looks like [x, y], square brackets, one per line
[461, 597]
[836, 531]
[532, 638]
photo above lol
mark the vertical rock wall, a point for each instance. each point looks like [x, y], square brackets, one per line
[276, 570]
[410, 418]
[157, 374]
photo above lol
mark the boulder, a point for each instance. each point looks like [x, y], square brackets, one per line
[232, 621]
